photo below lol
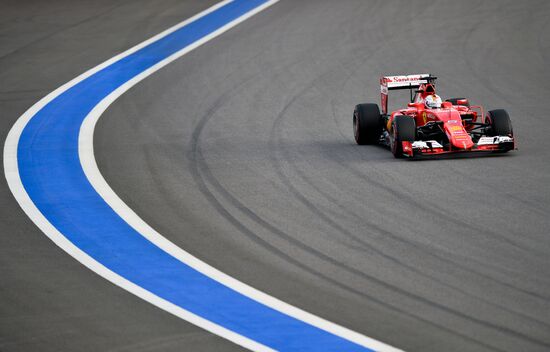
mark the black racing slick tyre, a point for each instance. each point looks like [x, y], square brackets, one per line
[500, 123]
[403, 130]
[367, 126]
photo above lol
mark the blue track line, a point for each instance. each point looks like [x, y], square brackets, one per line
[52, 175]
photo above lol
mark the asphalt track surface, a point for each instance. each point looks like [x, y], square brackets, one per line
[242, 153]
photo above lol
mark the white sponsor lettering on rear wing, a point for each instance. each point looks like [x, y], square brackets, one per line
[407, 81]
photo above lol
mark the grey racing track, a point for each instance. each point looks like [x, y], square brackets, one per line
[242, 153]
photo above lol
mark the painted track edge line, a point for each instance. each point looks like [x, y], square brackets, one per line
[91, 170]
[86, 155]
[61, 241]
[14, 182]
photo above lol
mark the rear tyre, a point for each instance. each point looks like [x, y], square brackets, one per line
[367, 126]
[500, 123]
[403, 130]
[454, 101]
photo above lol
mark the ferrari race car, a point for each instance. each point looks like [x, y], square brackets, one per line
[429, 126]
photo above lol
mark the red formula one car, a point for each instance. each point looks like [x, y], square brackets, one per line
[429, 126]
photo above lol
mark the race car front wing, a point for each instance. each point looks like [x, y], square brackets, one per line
[484, 144]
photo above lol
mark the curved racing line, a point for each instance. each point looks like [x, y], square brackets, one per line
[51, 170]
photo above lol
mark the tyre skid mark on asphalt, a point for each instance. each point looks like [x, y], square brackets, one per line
[203, 176]
[375, 228]
[412, 201]
[321, 215]
[146, 264]
[417, 245]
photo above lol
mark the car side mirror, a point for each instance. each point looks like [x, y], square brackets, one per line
[462, 102]
[418, 105]
[447, 105]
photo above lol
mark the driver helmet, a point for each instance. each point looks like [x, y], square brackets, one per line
[433, 101]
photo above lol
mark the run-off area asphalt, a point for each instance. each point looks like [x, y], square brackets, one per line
[242, 153]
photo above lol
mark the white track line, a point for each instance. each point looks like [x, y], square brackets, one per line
[87, 159]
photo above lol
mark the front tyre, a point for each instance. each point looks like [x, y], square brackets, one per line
[367, 127]
[500, 123]
[403, 130]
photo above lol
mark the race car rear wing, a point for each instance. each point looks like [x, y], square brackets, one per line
[388, 83]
